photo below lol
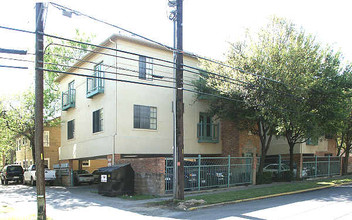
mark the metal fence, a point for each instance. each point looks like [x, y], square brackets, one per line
[320, 166]
[208, 172]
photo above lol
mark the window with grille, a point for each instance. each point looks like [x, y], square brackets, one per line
[145, 68]
[70, 129]
[145, 117]
[98, 120]
[46, 142]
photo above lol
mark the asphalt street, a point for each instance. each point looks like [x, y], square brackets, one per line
[331, 203]
[85, 203]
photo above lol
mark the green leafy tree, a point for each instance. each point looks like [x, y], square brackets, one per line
[296, 90]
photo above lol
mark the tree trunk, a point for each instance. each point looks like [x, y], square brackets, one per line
[292, 145]
[33, 150]
[345, 161]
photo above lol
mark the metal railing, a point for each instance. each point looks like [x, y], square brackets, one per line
[208, 132]
[94, 86]
[209, 172]
[320, 166]
[68, 99]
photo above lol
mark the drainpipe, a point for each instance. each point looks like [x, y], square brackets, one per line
[115, 134]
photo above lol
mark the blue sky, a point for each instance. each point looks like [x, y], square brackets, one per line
[208, 25]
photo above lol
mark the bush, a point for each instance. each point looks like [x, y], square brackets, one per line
[285, 176]
[265, 178]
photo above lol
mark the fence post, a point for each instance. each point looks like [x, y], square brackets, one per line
[228, 170]
[199, 163]
[254, 169]
[316, 166]
[329, 170]
[279, 164]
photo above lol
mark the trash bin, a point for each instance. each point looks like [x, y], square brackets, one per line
[116, 180]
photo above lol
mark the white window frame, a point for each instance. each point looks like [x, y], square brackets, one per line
[46, 143]
[85, 165]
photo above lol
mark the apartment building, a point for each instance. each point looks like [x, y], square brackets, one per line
[122, 110]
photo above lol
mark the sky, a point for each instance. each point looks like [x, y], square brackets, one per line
[209, 25]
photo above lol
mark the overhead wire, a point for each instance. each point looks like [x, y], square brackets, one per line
[49, 35]
[61, 7]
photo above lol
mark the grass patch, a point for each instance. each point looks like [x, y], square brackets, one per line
[138, 197]
[250, 193]
[265, 191]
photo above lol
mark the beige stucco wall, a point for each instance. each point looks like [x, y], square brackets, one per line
[280, 146]
[117, 107]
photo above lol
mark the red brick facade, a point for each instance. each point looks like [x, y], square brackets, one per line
[149, 174]
[236, 143]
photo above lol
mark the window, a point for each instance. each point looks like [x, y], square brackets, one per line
[96, 85]
[69, 97]
[207, 131]
[98, 120]
[71, 86]
[86, 163]
[145, 117]
[145, 68]
[18, 144]
[46, 142]
[70, 129]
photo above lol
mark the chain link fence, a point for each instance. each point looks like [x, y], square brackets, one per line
[315, 166]
[209, 172]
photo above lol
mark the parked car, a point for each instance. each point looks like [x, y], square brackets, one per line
[30, 176]
[274, 168]
[82, 176]
[12, 173]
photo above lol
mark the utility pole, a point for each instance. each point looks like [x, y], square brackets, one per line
[179, 102]
[38, 142]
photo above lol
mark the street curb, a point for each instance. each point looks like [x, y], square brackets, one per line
[265, 197]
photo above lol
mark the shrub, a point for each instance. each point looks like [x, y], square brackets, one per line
[265, 178]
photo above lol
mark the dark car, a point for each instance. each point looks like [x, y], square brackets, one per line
[82, 176]
[12, 173]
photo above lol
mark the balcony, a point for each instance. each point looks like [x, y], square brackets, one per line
[208, 132]
[68, 99]
[94, 87]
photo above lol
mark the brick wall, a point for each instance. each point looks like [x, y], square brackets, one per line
[230, 139]
[149, 174]
[51, 152]
[236, 142]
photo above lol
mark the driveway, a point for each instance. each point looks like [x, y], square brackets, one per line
[82, 202]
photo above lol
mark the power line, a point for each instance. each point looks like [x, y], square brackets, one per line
[109, 24]
[116, 50]
[89, 44]
[64, 8]
[14, 67]
[15, 59]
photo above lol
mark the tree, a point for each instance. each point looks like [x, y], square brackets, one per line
[18, 116]
[296, 90]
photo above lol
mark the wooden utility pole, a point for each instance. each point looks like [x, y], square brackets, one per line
[38, 141]
[179, 102]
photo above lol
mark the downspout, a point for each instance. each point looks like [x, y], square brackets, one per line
[115, 134]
